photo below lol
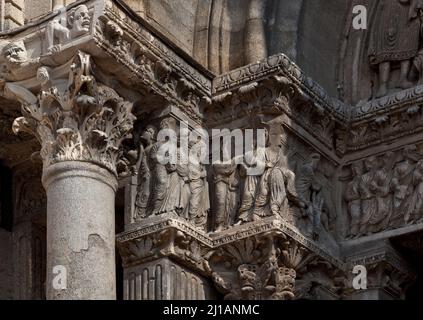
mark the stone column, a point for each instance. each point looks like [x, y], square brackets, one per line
[81, 230]
[255, 35]
[80, 127]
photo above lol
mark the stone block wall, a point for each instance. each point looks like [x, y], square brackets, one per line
[12, 14]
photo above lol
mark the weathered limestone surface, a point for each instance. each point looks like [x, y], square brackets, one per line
[6, 271]
[81, 224]
[342, 181]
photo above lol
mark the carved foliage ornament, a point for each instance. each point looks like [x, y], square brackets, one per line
[166, 243]
[75, 118]
[260, 268]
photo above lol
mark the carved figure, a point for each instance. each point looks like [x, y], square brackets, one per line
[309, 192]
[271, 194]
[402, 186]
[226, 182]
[265, 195]
[284, 284]
[146, 167]
[416, 207]
[382, 189]
[251, 183]
[79, 21]
[67, 26]
[171, 193]
[15, 53]
[277, 185]
[199, 204]
[353, 199]
[368, 193]
[57, 32]
[385, 195]
[160, 172]
[16, 64]
[395, 38]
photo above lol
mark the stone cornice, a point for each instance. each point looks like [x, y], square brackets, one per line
[280, 65]
[156, 225]
[149, 43]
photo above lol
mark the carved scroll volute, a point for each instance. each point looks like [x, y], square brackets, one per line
[74, 118]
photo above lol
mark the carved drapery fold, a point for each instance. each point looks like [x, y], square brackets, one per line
[77, 118]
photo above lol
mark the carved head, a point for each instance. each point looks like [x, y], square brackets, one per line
[79, 21]
[356, 169]
[168, 123]
[43, 74]
[410, 152]
[114, 29]
[263, 129]
[15, 52]
[370, 163]
[247, 276]
[149, 134]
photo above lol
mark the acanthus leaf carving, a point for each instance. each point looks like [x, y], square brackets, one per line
[259, 268]
[76, 118]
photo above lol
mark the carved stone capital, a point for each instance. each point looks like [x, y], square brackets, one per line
[264, 267]
[258, 261]
[292, 256]
[74, 117]
[388, 273]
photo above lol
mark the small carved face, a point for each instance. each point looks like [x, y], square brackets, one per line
[370, 163]
[356, 169]
[314, 160]
[43, 74]
[419, 165]
[15, 53]
[410, 152]
[80, 21]
[148, 135]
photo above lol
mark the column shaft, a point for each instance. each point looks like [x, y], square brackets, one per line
[80, 231]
